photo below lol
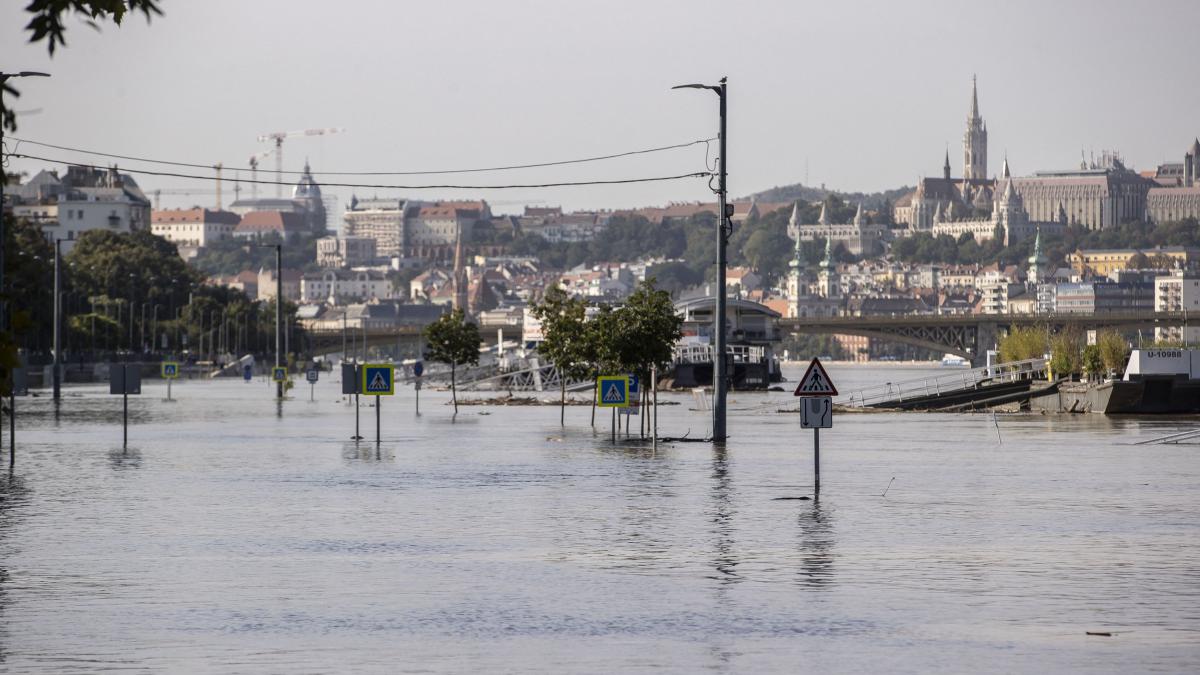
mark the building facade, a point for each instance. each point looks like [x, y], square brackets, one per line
[193, 228]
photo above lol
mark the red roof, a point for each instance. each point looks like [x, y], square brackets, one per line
[271, 221]
[166, 216]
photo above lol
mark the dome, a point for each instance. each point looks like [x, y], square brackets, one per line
[307, 188]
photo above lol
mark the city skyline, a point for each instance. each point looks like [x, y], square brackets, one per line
[859, 123]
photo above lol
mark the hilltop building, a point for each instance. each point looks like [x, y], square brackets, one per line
[82, 200]
[306, 203]
[193, 229]
[859, 237]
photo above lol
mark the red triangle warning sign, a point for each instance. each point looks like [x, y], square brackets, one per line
[816, 382]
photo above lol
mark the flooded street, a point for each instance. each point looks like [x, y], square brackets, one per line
[237, 535]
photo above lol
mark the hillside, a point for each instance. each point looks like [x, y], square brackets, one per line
[870, 200]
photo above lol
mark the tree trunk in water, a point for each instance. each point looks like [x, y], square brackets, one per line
[562, 407]
[453, 387]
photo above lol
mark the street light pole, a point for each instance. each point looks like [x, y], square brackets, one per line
[720, 359]
[5, 77]
[56, 377]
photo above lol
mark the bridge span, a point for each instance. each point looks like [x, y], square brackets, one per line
[971, 335]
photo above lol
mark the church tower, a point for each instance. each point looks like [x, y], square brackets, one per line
[796, 286]
[1038, 262]
[975, 141]
[827, 278]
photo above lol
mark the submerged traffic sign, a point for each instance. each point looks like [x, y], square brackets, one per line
[816, 382]
[170, 370]
[816, 412]
[614, 391]
[379, 379]
[312, 375]
[279, 374]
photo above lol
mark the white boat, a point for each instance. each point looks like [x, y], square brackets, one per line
[955, 361]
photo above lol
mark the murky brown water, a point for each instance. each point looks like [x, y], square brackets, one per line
[231, 537]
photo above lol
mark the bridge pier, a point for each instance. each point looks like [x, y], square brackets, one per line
[986, 336]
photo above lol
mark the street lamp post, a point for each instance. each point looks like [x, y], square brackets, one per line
[56, 376]
[5, 77]
[720, 362]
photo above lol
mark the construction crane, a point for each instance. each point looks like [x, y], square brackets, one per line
[159, 193]
[254, 172]
[277, 137]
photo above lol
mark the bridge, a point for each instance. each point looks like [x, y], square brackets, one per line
[971, 335]
[407, 338]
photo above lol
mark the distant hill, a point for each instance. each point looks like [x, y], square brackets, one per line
[789, 193]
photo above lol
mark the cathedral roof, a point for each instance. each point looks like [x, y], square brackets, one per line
[306, 187]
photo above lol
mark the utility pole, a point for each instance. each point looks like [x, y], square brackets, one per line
[56, 377]
[724, 228]
[278, 314]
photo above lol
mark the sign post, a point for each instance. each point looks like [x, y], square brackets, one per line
[351, 384]
[816, 410]
[312, 375]
[124, 379]
[613, 392]
[418, 370]
[170, 371]
[378, 379]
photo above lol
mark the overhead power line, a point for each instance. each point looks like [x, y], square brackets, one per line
[193, 165]
[171, 174]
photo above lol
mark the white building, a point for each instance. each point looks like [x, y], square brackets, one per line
[1177, 292]
[345, 251]
[193, 228]
[341, 286]
[85, 199]
[379, 219]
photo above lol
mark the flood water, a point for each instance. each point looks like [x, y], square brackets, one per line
[235, 535]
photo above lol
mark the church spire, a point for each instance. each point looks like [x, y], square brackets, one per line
[974, 100]
[1004, 173]
[946, 166]
[824, 219]
[975, 141]
[858, 215]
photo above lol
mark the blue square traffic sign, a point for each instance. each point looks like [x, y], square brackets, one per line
[613, 391]
[379, 379]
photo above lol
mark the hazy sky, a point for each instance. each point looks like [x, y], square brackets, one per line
[857, 95]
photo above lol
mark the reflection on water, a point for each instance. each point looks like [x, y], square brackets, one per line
[121, 459]
[241, 534]
[816, 545]
[721, 514]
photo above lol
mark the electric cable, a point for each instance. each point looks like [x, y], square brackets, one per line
[170, 174]
[191, 165]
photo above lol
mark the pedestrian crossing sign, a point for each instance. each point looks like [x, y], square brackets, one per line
[612, 391]
[170, 370]
[279, 374]
[379, 379]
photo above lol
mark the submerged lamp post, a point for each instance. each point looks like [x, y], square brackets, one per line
[720, 363]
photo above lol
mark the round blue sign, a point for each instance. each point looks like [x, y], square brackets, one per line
[418, 368]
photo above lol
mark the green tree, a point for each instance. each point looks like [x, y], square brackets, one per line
[1114, 351]
[1065, 354]
[1022, 344]
[564, 338]
[646, 330]
[1093, 363]
[454, 340]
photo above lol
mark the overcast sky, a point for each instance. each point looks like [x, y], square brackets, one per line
[854, 95]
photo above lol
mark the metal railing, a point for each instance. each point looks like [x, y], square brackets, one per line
[694, 353]
[937, 385]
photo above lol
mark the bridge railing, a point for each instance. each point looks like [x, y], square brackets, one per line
[952, 381]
